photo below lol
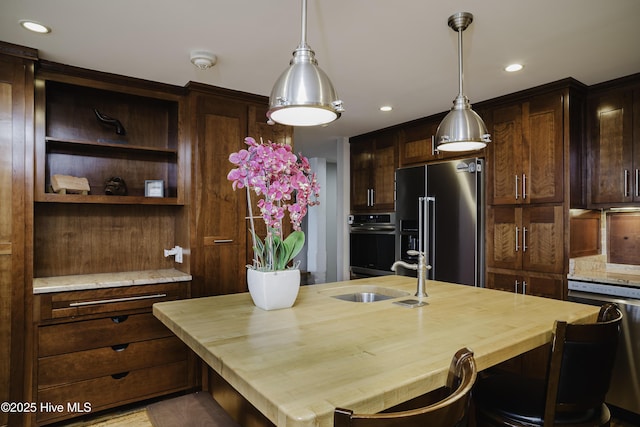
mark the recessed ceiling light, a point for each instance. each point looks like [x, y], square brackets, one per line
[36, 27]
[386, 108]
[513, 67]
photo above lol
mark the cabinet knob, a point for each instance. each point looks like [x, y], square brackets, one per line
[119, 375]
[119, 347]
[119, 319]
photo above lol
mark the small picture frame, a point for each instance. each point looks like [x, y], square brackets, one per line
[154, 188]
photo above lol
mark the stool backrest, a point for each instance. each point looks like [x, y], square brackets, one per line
[448, 412]
[581, 364]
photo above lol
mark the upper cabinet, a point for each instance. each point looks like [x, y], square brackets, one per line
[614, 143]
[525, 158]
[374, 161]
[416, 143]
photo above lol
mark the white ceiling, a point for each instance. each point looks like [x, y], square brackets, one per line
[376, 52]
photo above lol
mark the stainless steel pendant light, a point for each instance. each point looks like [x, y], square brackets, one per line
[462, 129]
[304, 95]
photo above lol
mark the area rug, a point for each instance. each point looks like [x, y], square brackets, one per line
[192, 410]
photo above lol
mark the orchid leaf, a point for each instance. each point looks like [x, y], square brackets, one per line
[293, 245]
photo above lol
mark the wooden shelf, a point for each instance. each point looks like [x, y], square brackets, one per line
[103, 199]
[107, 146]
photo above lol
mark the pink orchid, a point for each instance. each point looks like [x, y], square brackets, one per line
[283, 181]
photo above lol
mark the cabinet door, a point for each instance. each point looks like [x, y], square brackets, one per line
[508, 282]
[504, 156]
[504, 228]
[542, 179]
[525, 157]
[15, 99]
[415, 144]
[362, 153]
[529, 238]
[542, 239]
[549, 286]
[385, 164]
[527, 283]
[611, 147]
[220, 211]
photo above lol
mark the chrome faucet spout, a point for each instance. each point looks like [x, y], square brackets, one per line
[403, 264]
[421, 267]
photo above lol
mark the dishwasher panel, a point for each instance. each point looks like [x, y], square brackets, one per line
[625, 383]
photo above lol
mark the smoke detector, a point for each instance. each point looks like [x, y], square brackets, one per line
[203, 59]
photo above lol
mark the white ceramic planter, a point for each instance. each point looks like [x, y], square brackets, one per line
[273, 290]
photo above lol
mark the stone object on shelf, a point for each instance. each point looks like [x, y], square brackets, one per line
[63, 184]
[115, 186]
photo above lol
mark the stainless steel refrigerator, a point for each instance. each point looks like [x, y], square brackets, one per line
[444, 204]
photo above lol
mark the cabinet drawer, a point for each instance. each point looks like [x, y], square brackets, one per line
[61, 305]
[108, 391]
[100, 362]
[92, 334]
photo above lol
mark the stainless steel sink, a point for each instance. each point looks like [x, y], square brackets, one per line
[363, 297]
[365, 293]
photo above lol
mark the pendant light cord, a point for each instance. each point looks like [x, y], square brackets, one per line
[460, 30]
[303, 26]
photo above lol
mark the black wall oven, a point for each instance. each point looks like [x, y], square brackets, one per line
[372, 244]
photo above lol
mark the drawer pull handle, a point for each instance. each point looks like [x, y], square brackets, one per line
[107, 301]
[119, 319]
[119, 347]
[120, 375]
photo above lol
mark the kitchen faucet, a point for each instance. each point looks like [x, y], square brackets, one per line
[421, 267]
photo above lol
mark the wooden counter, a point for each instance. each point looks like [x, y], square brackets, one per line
[296, 365]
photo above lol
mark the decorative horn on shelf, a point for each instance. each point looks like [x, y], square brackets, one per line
[110, 121]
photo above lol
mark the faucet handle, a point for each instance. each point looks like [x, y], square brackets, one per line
[413, 252]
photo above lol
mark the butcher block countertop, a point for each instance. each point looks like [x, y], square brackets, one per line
[297, 365]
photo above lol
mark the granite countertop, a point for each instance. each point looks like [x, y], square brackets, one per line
[595, 269]
[297, 365]
[81, 282]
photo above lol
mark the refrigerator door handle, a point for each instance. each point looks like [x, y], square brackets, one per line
[426, 231]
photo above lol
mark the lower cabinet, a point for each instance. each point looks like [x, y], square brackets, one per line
[527, 283]
[98, 359]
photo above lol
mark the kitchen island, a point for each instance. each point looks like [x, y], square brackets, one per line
[297, 365]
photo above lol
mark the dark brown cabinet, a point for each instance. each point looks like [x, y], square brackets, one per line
[526, 156]
[529, 238]
[534, 175]
[98, 349]
[107, 238]
[16, 141]
[614, 143]
[221, 248]
[528, 283]
[373, 167]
